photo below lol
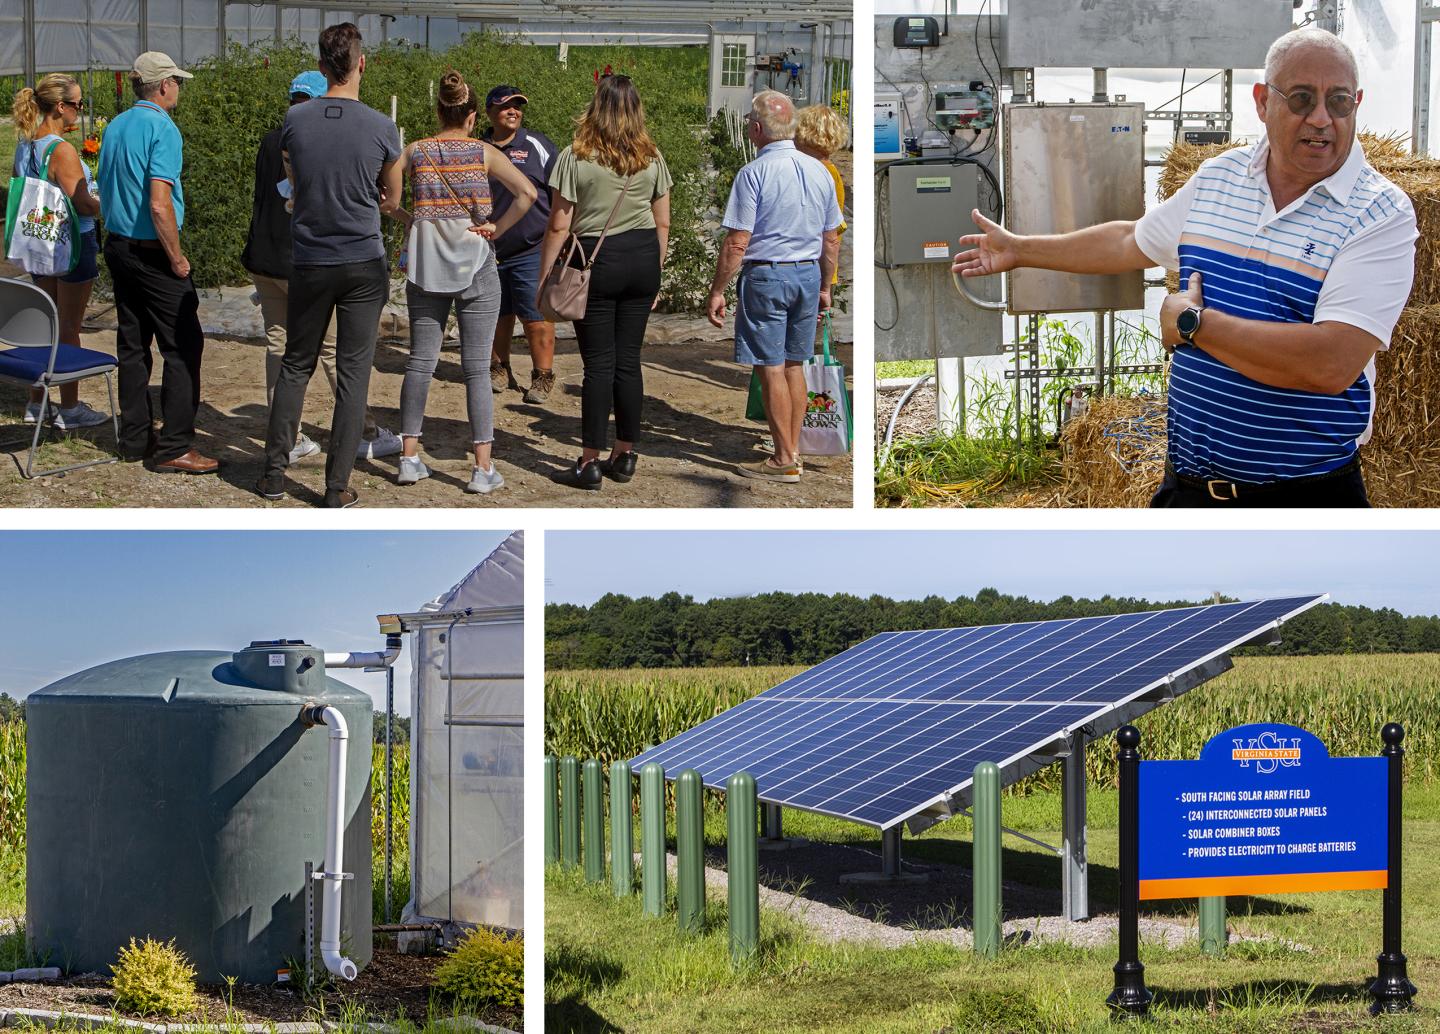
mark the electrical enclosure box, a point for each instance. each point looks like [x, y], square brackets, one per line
[1069, 166]
[917, 31]
[1142, 33]
[889, 138]
[929, 208]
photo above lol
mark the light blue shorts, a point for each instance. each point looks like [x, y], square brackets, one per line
[777, 304]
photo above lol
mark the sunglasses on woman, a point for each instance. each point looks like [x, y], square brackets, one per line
[77, 105]
[1302, 102]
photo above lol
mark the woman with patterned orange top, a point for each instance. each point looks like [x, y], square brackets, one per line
[451, 262]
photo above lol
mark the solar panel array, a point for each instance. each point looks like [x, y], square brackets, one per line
[897, 724]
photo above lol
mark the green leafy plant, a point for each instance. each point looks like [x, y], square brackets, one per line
[485, 967]
[154, 978]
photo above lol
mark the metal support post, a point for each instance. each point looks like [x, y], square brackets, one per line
[742, 863]
[987, 914]
[1426, 14]
[1102, 88]
[774, 830]
[31, 36]
[552, 810]
[309, 924]
[890, 851]
[1391, 989]
[570, 811]
[1100, 353]
[1130, 995]
[389, 783]
[1074, 875]
[652, 838]
[690, 851]
[622, 845]
[1212, 926]
[593, 798]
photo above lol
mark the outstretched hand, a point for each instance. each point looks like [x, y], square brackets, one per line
[1173, 306]
[993, 249]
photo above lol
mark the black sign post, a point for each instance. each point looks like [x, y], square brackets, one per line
[1392, 990]
[1130, 996]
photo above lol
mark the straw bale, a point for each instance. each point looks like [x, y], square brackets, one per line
[1114, 452]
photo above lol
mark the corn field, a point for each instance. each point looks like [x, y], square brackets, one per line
[1344, 700]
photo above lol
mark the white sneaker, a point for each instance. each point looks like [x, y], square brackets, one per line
[32, 412]
[304, 446]
[412, 469]
[484, 481]
[385, 443]
[79, 416]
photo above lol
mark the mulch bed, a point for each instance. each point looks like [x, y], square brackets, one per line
[392, 986]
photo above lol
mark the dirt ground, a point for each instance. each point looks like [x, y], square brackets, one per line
[392, 986]
[694, 432]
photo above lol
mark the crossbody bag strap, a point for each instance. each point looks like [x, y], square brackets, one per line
[596, 253]
[469, 210]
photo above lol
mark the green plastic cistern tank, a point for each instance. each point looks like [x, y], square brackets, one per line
[179, 795]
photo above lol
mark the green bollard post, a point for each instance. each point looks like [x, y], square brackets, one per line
[1212, 926]
[742, 854]
[690, 851]
[986, 916]
[622, 846]
[652, 838]
[552, 810]
[594, 801]
[569, 811]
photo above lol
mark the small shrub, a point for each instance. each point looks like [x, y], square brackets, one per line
[486, 967]
[154, 978]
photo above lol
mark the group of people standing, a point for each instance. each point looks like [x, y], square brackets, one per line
[489, 216]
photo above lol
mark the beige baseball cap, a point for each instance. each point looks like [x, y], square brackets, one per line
[153, 66]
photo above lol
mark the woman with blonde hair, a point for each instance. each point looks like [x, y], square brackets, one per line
[820, 132]
[611, 183]
[452, 263]
[42, 115]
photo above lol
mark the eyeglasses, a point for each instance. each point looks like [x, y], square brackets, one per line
[1302, 102]
[77, 105]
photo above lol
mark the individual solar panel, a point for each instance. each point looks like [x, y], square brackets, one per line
[895, 725]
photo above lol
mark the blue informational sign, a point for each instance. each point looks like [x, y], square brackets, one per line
[1266, 810]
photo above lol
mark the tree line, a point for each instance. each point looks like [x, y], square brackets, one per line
[676, 631]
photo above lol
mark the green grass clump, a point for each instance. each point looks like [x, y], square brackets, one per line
[154, 979]
[961, 469]
[485, 968]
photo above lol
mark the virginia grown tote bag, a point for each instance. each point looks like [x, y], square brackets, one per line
[40, 225]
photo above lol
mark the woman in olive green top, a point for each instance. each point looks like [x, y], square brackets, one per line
[612, 167]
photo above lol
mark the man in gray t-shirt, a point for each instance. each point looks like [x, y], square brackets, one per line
[342, 159]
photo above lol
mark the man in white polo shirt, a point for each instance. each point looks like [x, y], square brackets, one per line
[1296, 259]
[782, 225]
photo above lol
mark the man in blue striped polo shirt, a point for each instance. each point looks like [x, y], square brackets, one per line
[1296, 259]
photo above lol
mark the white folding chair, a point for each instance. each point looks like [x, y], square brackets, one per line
[30, 327]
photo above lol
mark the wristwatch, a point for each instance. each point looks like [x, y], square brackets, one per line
[1188, 323]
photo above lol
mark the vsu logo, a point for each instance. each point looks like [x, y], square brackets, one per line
[1269, 752]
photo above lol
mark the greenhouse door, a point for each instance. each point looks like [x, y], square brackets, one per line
[732, 62]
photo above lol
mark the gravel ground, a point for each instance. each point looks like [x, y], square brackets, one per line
[803, 881]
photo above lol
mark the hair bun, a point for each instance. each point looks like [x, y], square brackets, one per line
[453, 89]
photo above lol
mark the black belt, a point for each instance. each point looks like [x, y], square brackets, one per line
[770, 262]
[1228, 491]
[136, 241]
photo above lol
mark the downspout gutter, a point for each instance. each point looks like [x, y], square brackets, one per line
[333, 874]
[383, 659]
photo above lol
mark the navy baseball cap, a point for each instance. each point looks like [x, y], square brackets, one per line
[501, 94]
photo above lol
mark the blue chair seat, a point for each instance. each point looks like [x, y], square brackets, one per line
[30, 363]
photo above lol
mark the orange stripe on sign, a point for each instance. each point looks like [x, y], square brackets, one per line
[1234, 886]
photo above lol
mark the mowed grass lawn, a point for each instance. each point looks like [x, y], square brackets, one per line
[610, 968]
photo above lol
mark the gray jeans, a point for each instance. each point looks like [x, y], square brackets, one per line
[477, 309]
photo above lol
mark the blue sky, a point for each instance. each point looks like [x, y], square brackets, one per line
[76, 599]
[1379, 569]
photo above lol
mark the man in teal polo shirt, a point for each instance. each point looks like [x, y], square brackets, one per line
[155, 298]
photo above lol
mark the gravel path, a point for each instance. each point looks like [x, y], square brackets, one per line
[803, 882]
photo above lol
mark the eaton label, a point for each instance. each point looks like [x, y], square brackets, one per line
[1266, 810]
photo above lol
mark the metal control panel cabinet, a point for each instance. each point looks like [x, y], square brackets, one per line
[1142, 33]
[1068, 166]
[929, 209]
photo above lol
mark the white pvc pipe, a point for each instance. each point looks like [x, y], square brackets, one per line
[334, 848]
[362, 660]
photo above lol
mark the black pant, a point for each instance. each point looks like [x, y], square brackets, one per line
[152, 303]
[623, 284]
[355, 293]
[1343, 490]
